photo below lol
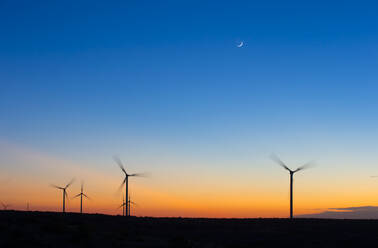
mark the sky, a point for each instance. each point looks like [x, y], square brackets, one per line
[163, 85]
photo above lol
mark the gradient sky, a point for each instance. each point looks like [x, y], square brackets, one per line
[162, 85]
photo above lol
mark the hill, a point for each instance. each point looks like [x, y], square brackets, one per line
[49, 229]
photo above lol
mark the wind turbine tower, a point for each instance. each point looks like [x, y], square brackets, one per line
[81, 194]
[123, 206]
[126, 180]
[129, 203]
[64, 190]
[292, 172]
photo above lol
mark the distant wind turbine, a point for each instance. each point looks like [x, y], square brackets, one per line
[278, 161]
[5, 206]
[126, 180]
[123, 205]
[129, 202]
[64, 189]
[81, 194]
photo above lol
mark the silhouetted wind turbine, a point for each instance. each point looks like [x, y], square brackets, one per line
[130, 202]
[81, 194]
[123, 205]
[278, 161]
[126, 180]
[64, 193]
[5, 206]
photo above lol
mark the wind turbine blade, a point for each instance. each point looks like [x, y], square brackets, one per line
[82, 186]
[86, 196]
[120, 164]
[76, 196]
[54, 186]
[123, 183]
[305, 166]
[71, 182]
[278, 161]
[139, 175]
[118, 191]
[66, 195]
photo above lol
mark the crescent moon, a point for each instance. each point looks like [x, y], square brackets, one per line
[241, 44]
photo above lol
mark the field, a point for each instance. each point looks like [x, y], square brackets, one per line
[48, 229]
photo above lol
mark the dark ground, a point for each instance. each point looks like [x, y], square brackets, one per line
[47, 229]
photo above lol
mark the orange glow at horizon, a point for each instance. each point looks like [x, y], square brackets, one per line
[173, 195]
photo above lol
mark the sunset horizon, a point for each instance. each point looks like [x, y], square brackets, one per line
[196, 95]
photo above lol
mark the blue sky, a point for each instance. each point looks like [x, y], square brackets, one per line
[158, 80]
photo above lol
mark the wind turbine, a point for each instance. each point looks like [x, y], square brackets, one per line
[64, 193]
[129, 202]
[126, 180]
[5, 206]
[81, 194]
[123, 205]
[278, 161]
